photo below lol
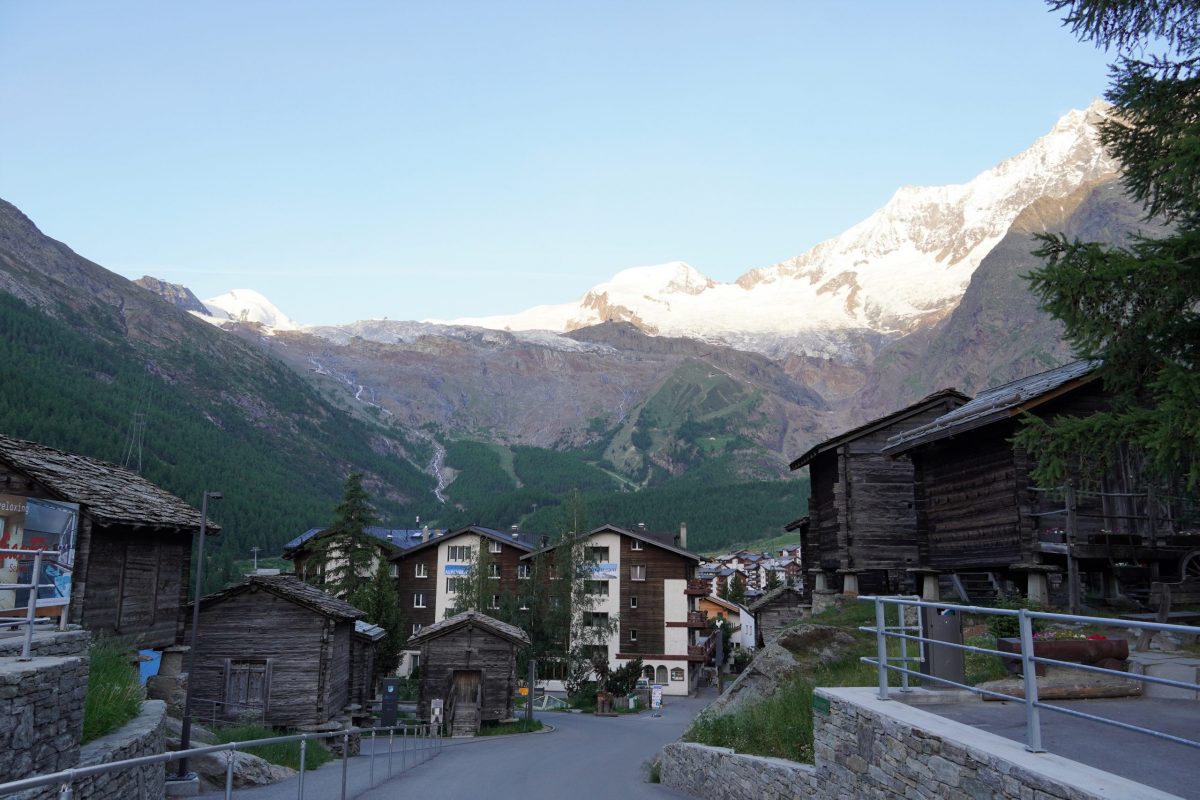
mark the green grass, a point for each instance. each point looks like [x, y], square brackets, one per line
[114, 695]
[502, 728]
[285, 754]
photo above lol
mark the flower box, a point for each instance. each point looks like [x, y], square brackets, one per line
[1107, 653]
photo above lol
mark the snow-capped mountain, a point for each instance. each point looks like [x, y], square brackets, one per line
[905, 266]
[247, 305]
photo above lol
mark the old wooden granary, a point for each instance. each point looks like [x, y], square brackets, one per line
[275, 648]
[131, 548]
[469, 663]
[862, 530]
[984, 520]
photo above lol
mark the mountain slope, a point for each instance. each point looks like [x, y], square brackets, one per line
[91, 352]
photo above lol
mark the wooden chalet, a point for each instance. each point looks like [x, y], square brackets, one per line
[776, 610]
[862, 529]
[987, 525]
[130, 549]
[469, 662]
[276, 648]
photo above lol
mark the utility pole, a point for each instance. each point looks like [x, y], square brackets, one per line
[255, 550]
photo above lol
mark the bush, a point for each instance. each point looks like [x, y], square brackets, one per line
[285, 754]
[1009, 627]
[493, 728]
[114, 693]
[623, 680]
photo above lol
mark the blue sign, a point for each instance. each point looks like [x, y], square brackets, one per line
[457, 569]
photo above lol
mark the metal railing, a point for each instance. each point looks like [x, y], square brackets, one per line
[221, 712]
[30, 618]
[417, 744]
[886, 663]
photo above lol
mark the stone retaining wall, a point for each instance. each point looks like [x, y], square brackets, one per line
[141, 736]
[874, 749]
[722, 774]
[72, 642]
[41, 715]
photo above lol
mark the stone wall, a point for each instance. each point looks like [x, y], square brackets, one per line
[141, 736]
[722, 774]
[41, 715]
[874, 749]
[72, 642]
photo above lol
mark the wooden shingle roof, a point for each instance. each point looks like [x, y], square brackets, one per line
[108, 493]
[288, 587]
[474, 618]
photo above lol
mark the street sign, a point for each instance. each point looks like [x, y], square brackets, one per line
[656, 695]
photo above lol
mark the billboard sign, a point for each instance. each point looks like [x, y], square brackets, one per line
[457, 570]
[30, 523]
[603, 571]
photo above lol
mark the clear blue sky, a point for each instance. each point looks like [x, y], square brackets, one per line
[439, 159]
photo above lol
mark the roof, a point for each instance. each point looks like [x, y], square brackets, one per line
[771, 595]
[400, 538]
[656, 539]
[798, 524]
[107, 493]
[522, 540]
[471, 618]
[997, 404]
[370, 631]
[951, 395]
[288, 587]
[729, 604]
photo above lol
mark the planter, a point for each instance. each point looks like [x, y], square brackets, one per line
[1107, 653]
[604, 704]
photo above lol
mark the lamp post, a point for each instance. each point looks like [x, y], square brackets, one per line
[185, 736]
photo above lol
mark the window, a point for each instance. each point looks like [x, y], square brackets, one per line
[599, 554]
[597, 587]
[598, 619]
[494, 546]
[394, 570]
[637, 572]
[416, 628]
[419, 600]
[493, 570]
[421, 571]
[633, 634]
[633, 601]
[635, 544]
[495, 601]
[458, 552]
[523, 571]
[247, 683]
[455, 585]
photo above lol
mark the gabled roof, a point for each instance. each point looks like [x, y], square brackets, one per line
[997, 404]
[475, 619]
[368, 630]
[657, 539]
[522, 540]
[771, 595]
[945, 395]
[288, 587]
[107, 493]
[399, 538]
[729, 604]
[798, 524]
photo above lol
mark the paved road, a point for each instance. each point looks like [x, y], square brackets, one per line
[1165, 765]
[585, 757]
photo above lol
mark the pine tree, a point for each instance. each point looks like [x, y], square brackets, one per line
[347, 550]
[735, 591]
[377, 599]
[1136, 308]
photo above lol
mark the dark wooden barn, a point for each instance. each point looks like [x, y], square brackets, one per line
[276, 648]
[132, 545]
[862, 529]
[469, 662]
[776, 610]
[986, 524]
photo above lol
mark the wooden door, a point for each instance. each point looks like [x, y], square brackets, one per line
[467, 687]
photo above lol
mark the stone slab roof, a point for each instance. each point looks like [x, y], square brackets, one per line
[289, 587]
[475, 618]
[108, 493]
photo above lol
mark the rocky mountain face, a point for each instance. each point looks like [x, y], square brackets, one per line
[176, 294]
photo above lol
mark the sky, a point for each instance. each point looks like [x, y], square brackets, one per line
[407, 160]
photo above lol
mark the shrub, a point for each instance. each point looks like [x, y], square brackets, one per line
[1009, 627]
[285, 754]
[114, 693]
[623, 680]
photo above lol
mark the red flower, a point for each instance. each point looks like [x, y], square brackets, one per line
[1100, 636]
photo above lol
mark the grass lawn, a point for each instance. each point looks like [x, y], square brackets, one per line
[285, 754]
[502, 728]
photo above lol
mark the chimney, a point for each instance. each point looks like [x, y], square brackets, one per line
[545, 540]
[683, 535]
[389, 536]
[516, 533]
[642, 527]
[425, 533]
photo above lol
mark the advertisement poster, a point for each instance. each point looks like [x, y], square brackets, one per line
[604, 571]
[457, 570]
[30, 524]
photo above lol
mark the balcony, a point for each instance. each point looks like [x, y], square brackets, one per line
[703, 652]
[698, 587]
[697, 619]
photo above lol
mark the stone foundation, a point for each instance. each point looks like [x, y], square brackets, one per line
[141, 736]
[41, 715]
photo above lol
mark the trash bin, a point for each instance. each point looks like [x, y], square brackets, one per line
[942, 625]
[391, 702]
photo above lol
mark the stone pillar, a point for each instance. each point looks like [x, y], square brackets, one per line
[1037, 581]
[849, 582]
[930, 580]
[820, 580]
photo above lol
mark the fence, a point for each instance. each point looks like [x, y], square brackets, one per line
[901, 631]
[34, 587]
[220, 712]
[413, 745]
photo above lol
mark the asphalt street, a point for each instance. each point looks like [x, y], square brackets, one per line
[584, 757]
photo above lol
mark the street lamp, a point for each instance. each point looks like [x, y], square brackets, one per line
[185, 736]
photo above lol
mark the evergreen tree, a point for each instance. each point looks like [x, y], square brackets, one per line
[773, 581]
[1136, 308]
[735, 589]
[377, 599]
[347, 550]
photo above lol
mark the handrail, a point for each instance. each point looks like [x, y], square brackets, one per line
[66, 778]
[32, 601]
[885, 663]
